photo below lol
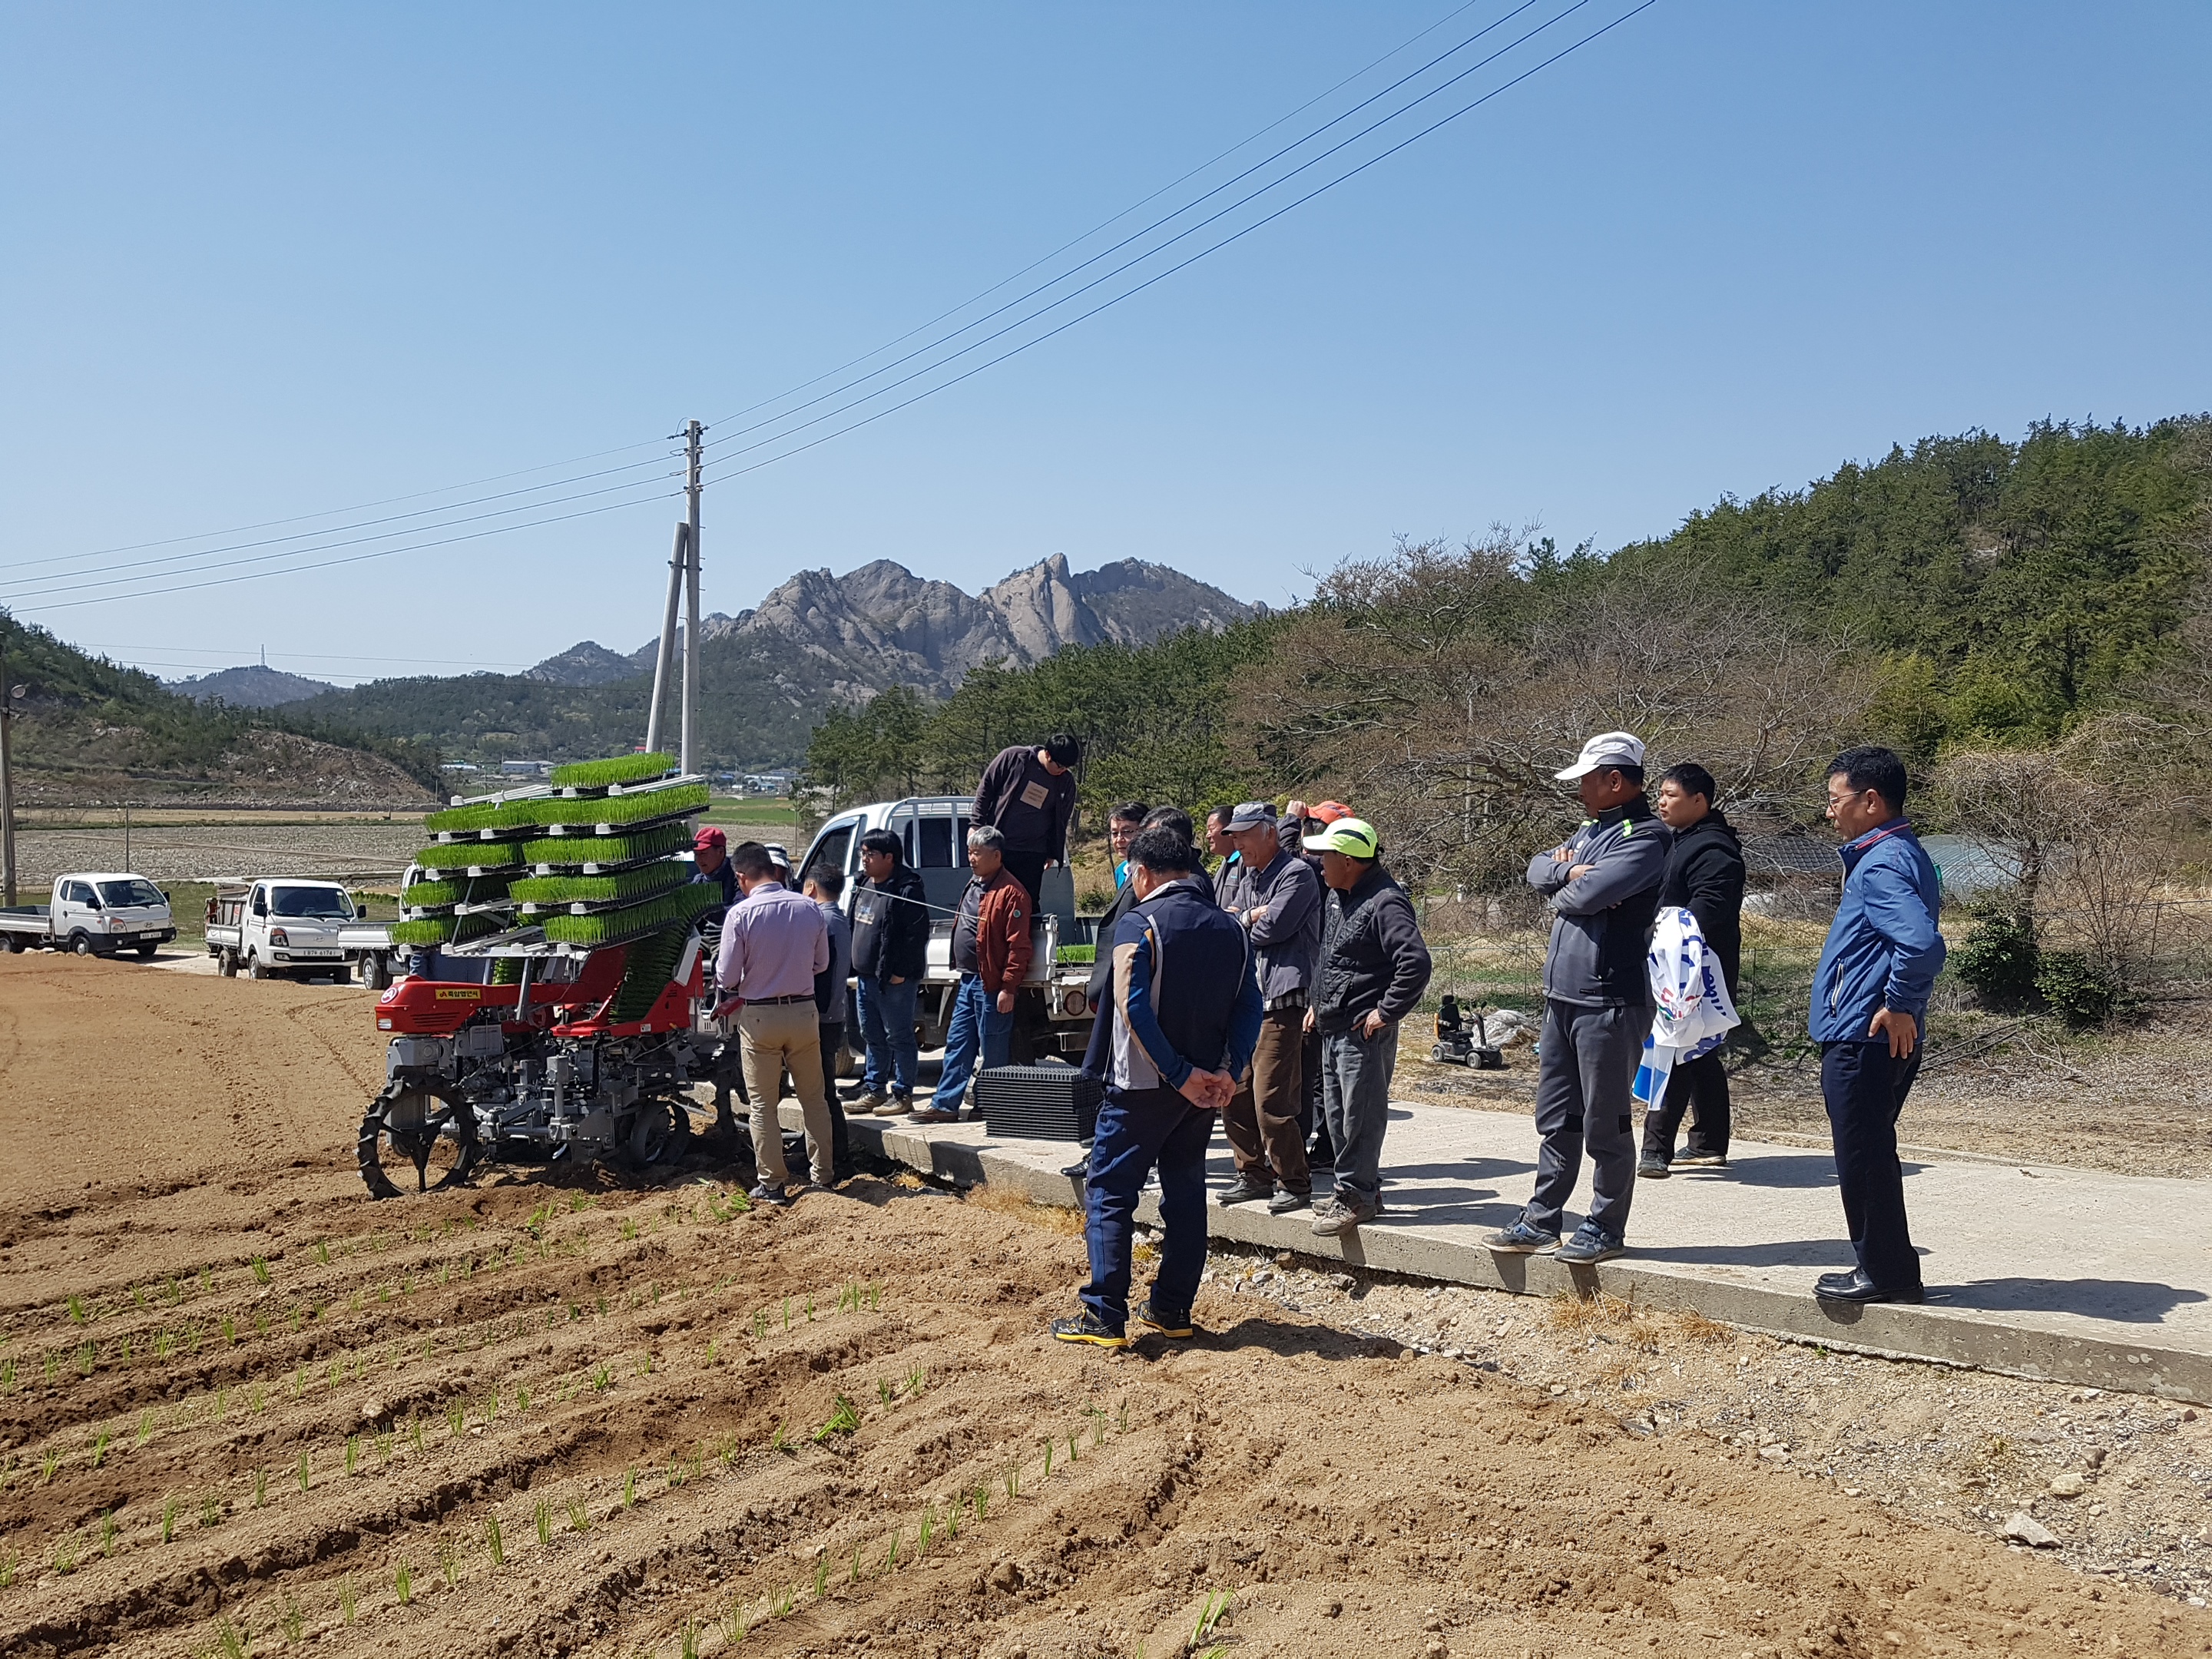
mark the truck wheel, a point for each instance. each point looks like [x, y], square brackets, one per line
[15, 945]
[226, 963]
[82, 943]
[376, 972]
[255, 968]
[146, 952]
[414, 1135]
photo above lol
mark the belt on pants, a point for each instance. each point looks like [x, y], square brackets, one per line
[771, 1002]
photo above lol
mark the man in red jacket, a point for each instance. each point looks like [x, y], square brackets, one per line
[991, 950]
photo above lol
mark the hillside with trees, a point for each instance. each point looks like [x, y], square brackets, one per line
[91, 729]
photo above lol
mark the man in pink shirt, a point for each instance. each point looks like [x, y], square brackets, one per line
[773, 943]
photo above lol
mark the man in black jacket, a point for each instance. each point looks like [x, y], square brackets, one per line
[1705, 876]
[1028, 794]
[890, 947]
[1374, 967]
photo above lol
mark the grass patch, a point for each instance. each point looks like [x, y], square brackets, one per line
[1005, 1200]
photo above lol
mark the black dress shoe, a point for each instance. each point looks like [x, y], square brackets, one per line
[1856, 1286]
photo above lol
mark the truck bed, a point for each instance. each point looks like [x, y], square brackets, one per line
[27, 919]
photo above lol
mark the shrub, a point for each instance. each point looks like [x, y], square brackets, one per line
[2079, 990]
[1997, 960]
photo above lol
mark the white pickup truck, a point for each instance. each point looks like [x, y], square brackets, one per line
[1052, 1017]
[95, 913]
[295, 926]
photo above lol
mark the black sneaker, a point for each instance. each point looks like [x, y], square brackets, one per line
[1652, 1169]
[1521, 1239]
[1166, 1325]
[772, 1193]
[1590, 1245]
[1689, 1160]
[1245, 1189]
[1086, 1326]
[1285, 1201]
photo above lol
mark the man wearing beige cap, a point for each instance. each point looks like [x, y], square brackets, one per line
[1602, 889]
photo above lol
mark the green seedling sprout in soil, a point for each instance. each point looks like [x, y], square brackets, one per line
[210, 1509]
[822, 1577]
[126, 1351]
[845, 1419]
[786, 1598]
[578, 1520]
[733, 1624]
[403, 1581]
[352, 1452]
[921, 1545]
[99, 1443]
[168, 1519]
[786, 1313]
[689, 1636]
[323, 1251]
[890, 1561]
[727, 1451]
[54, 1362]
[48, 1465]
[1013, 1481]
[261, 1269]
[494, 1539]
[76, 1313]
[449, 1562]
[206, 1281]
[87, 1353]
[231, 1640]
[65, 1558]
[293, 1618]
[544, 1518]
[383, 1447]
[760, 1326]
[7, 1570]
[346, 1599]
[884, 1392]
[304, 1477]
[982, 1503]
[917, 1379]
[1215, 1610]
[629, 1488]
[415, 1429]
[1048, 1460]
[107, 1532]
[260, 1488]
[853, 1577]
[456, 1417]
[601, 1382]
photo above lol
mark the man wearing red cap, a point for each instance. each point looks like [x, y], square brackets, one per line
[710, 852]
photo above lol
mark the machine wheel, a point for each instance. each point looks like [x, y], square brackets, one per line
[226, 963]
[255, 968]
[659, 1131]
[82, 943]
[412, 1133]
[146, 952]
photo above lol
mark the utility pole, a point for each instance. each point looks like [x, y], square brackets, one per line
[126, 835]
[679, 559]
[7, 780]
[688, 755]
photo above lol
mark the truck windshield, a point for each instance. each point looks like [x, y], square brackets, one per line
[120, 893]
[311, 903]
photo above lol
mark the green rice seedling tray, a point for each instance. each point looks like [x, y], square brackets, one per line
[629, 886]
[443, 930]
[599, 854]
[444, 895]
[676, 908]
[617, 814]
[471, 858]
[1076, 954]
[618, 769]
[652, 961]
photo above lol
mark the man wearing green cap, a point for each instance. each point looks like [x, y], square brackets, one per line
[1374, 967]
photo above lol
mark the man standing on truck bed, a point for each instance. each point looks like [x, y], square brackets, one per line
[1027, 796]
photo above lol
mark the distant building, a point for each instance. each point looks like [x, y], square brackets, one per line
[769, 783]
[526, 769]
[456, 766]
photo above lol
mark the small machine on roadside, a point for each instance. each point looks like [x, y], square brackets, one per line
[557, 1005]
[1457, 1044]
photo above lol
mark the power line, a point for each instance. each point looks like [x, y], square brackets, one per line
[1165, 219]
[1077, 241]
[1161, 276]
[364, 507]
[226, 657]
[65, 583]
[356, 558]
[1192, 230]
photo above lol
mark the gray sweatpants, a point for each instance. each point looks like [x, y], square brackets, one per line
[1355, 1099]
[1584, 1080]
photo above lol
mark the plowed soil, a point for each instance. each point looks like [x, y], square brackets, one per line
[242, 1407]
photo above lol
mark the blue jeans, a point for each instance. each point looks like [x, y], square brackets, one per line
[1137, 1129]
[977, 1022]
[887, 1031]
[1355, 1101]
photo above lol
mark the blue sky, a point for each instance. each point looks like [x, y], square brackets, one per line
[270, 261]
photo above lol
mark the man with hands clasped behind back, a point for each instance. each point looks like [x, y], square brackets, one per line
[1185, 1012]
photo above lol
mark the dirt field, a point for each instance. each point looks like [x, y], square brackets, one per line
[245, 1409]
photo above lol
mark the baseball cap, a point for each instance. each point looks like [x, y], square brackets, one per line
[777, 855]
[709, 837]
[1328, 811]
[1251, 814]
[1606, 748]
[1354, 837]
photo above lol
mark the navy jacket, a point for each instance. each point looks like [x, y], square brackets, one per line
[1184, 995]
[890, 926]
[1883, 949]
[1372, 955]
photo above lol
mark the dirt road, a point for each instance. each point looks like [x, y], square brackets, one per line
[245, 1409]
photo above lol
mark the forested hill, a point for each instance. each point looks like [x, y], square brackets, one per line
[1998, 590]
[91, 729]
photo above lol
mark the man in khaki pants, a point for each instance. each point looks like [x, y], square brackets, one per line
[773, 943]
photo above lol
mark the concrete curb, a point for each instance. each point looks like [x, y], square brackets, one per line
[1975, 1339]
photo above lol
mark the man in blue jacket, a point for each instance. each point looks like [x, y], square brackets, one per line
[1869, 1001]
[1186, 1014]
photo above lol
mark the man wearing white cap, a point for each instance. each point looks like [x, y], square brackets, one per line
[1603, 888]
